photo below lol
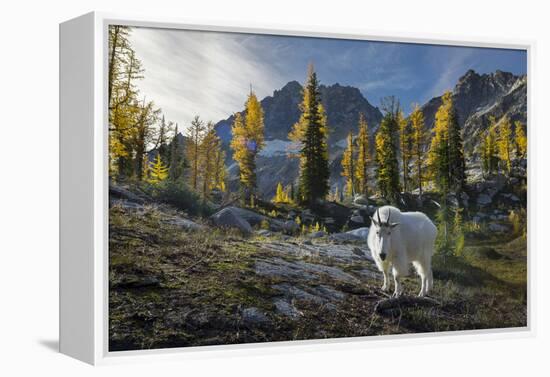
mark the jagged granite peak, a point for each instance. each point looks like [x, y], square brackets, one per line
[281, 110]
[476, 97]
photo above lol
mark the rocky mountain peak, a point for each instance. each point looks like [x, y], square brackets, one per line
[281, 110]
[478, 96]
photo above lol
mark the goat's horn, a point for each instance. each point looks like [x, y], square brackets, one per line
[378, 215]
[389, 215]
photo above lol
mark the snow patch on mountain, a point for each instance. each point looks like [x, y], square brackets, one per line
[276, 147]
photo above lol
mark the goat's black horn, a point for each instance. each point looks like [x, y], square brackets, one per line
[389, 215]
[378, 215]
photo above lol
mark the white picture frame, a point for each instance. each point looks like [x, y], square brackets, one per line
[84, 190]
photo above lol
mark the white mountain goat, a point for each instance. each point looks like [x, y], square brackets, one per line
[397, 239]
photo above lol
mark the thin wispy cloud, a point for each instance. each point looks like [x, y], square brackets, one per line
[451, 70]
[190, 73]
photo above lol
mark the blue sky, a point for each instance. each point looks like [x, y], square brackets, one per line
[207, 73]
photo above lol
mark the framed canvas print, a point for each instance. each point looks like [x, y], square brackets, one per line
[232, 186]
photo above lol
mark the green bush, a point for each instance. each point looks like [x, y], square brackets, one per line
[179, 195]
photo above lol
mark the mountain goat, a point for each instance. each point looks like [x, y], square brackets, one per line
[397, 239]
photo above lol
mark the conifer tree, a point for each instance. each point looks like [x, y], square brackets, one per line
[419, 139]
[247, 142]
[280, 195]
[145, 168]
[119, 47]
[219, 169]
[446, 156]
[158, 172]
[124, 70]
[162, 141]
[195, 134]
[489, 150]
[457, 164]
[505, 143]
[208, 148]
[176, 157]
[520, 140]
[142, 134]
[348, 166]
[386, 145]
[405, 147]
[310, 133]
[363, 156]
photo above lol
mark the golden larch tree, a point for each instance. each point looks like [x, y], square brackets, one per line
[158, 172]
[520, 140]
[195, 134]
[348, 166]
[505, 143]
[404, 147]
[419, 139]
[247, 142]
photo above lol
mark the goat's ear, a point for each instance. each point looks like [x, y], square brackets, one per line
[373, 221]
[393, 225]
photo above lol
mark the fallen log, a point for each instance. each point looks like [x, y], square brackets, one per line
[404, 302]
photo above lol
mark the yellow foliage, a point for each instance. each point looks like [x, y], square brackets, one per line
[348, 166]
[264, 224]
[419, 137]
[520, 140]
[281, 196]
[505, 143]
[158, 172]
[248, 140]
[363, 156]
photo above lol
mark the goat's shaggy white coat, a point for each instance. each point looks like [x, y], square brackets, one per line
[408, 237]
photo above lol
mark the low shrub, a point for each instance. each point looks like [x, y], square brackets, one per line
[179, 195]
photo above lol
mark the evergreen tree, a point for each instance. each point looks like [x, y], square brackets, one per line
[219, 172]
[142, 135]
[208, 149]
[310, 133]
[348, 166]
[446, 156]
[176, 157]
[145, 168]
[195, 134]
[419, 139]
[363, 156]
[489, 150]
[247, 142]
[124, 70]
[119, 48]
[387, 144]
[520, 140]
[458, 232]
[158, 172]
[457, 164]
[405, 147]
[162, 141]
[505, 143]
